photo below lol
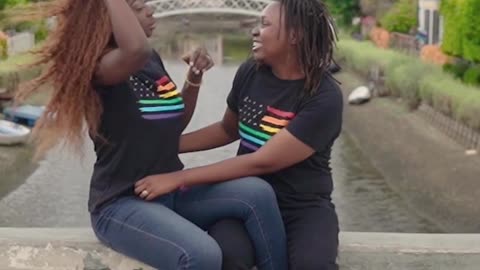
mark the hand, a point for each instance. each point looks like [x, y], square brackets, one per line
[154, 186]
[199, 61]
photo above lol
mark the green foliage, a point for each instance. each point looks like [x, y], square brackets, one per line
[236, 48]
[457, 69]
[3, 49]
[402, 80]
[9, 3]
[453, 32]
[415, 81]
[402, 17]
[41, 32]
[471, 33]
[472, 75]
[452, 98]
[362, 56]
[344, 10]
[23, 26]
[461, 28]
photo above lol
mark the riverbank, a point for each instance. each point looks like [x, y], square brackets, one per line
[15, 167]
[427, 168]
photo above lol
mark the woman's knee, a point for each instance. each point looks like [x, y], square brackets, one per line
[254, 189]
[205, 254]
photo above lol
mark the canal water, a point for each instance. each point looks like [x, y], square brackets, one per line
[55, 195]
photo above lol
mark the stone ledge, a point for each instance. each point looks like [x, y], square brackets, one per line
[78, 248]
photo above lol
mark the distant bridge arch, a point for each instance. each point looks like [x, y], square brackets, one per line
[167, 8]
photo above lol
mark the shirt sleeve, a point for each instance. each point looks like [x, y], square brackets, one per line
[240, 78]
[319, 121]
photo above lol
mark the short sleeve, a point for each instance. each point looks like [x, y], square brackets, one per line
[319, 121]
[243, 74]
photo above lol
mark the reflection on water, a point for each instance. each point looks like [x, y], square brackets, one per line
[56, 194]
[364, 200]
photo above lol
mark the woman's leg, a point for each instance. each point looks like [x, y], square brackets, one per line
[312, 235]
[251, 200]
[237, 248]
[152, 233]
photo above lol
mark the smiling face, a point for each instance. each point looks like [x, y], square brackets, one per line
[271, 39]
[144, 15]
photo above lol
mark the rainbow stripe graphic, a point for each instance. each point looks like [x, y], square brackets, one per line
[270, 124]
[164, 102]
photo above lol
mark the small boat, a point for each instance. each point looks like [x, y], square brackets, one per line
[25, 115]
[11, 133]
[359, 95]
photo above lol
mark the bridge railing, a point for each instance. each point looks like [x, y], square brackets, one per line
[165, 8]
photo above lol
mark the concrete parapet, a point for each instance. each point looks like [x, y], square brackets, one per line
[78, 248]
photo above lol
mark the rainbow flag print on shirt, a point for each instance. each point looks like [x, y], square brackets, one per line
[259, 123]
[159, 101]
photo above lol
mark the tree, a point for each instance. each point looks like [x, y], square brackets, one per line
[462, 28]
[344, 10]
[402, 17]
[375, 8]
[3, 4]
[471, 33]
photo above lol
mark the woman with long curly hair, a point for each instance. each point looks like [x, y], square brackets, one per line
[286, 109]
[109, 83]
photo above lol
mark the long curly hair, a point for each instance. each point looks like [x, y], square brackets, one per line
[69, 59]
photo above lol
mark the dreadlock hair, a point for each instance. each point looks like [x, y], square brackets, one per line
[312, 20]
[69, 59]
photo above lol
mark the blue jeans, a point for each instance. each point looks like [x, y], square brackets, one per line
[169, 233]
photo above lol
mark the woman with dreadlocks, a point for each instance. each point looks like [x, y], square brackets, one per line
[104, 73]
[286, 109]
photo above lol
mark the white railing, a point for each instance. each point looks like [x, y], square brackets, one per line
[166, 8]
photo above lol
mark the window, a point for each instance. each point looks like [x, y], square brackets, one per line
[427, 25]
[436, 27]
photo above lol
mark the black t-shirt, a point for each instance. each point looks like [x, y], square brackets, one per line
[265, 104]
[140, 127]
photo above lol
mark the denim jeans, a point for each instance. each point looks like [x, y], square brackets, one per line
[169, 233]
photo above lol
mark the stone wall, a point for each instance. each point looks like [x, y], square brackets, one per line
[73, 249]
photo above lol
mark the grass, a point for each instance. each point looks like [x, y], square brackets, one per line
[414, 81]
[17, 65]
[237, 48]
[14, 63]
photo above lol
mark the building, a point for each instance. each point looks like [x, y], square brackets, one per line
[430, 21]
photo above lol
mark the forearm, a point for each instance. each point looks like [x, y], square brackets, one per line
[282, 151]
[190, 96]
[234, 168]
[127, 31]
[206, 138]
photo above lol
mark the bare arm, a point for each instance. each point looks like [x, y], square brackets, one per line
[199, 62]
[132, 49]
[190, 95]
[282, 151]
[216, 135]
